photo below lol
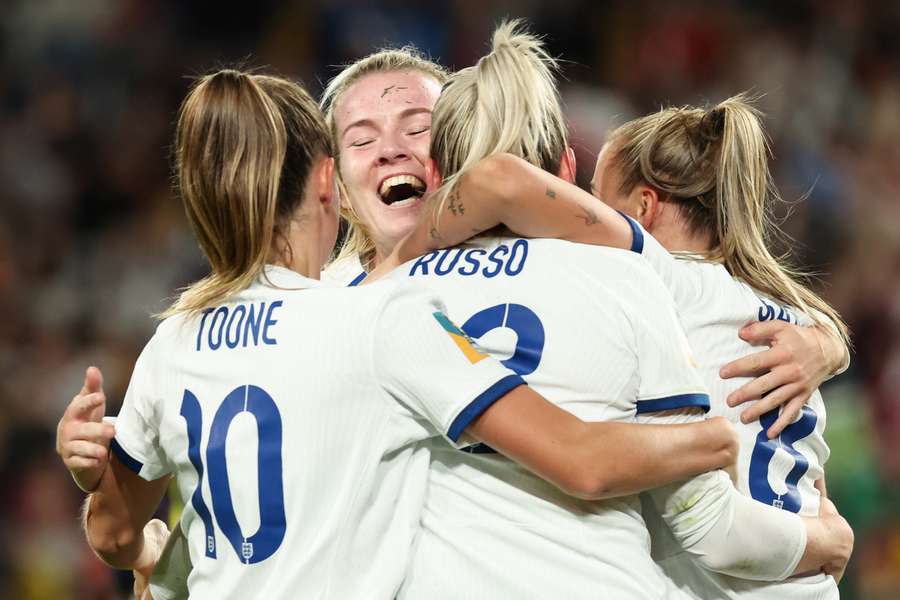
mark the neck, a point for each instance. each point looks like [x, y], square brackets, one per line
[381, 253]
[301, 252]
[673, 232]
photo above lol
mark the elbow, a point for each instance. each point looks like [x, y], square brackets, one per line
[590, 484]
[496, 175]
[115, 544]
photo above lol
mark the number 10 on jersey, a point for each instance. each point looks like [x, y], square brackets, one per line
[270, 486]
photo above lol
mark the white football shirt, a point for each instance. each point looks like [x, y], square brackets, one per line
[713, 307]
[594, 330]
[291, 416]
[347, 271]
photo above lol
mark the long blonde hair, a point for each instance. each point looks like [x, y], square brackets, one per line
[358, 240]
[714, 164]
[507, 102]
[244, 146]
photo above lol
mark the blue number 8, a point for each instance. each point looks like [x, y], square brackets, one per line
[272, 522]
[764, 451]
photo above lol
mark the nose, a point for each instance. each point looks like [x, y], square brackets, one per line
[392, 150]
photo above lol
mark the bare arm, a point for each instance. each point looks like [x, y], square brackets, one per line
[604, 459]
[117, 512]
[505, 190]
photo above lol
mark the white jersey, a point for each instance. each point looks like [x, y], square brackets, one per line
[291, 417]
[346, 271]
[713, 307]
[594, 330]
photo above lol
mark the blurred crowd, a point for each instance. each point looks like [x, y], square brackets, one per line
[93, 241]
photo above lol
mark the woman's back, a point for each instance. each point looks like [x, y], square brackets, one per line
[780, 472]
[576, 323]
[295, 408]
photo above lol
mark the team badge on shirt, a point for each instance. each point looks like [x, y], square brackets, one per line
[460, 338]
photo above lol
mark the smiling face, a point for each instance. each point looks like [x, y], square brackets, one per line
[383, 125]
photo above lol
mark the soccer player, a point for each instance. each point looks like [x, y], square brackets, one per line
[590, 325]
[291, 413]
[385, 141]
[698, 181]
[378, 110]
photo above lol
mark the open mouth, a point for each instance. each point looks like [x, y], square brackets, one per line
[401, 189]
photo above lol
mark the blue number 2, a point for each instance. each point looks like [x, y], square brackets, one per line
[529, 342]
[764, 451]
[521, 319]
[272, 523]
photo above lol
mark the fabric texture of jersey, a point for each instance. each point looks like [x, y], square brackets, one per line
[713, 307]
[344, 272]
[291, 417]
[595, 331]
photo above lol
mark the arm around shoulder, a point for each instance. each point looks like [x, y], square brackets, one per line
[115, 514]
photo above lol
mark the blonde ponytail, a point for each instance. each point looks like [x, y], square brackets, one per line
[715, 165]
[244, 145]
[507, 102]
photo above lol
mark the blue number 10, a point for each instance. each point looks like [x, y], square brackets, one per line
[272, 523]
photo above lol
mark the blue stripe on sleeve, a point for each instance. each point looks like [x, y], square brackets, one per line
[125, 458]
[670, 402]
[481, 404]
[358, 279]
[637, 236]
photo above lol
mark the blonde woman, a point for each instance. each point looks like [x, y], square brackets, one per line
[379, 113]
[584, 322]
[696, 188]
[379, 110]
[287, 410]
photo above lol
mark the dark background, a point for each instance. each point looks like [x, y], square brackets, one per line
[92, 239]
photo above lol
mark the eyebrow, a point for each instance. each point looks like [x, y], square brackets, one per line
[404, 114]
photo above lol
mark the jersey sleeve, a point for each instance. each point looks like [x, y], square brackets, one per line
[728, 532]
[136, 444]
[426, 363]
[667, 372]
[721, 528]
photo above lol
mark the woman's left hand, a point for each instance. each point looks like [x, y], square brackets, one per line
[798, 360]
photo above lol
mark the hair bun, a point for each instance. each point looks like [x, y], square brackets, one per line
[712, 124]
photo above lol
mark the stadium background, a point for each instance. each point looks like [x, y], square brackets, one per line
[92, 239]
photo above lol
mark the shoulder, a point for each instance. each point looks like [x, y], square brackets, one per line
[342, 271]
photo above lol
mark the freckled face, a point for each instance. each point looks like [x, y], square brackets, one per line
[384, 132]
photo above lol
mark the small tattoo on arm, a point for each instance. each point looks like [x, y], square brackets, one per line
[589, 217]
[551, 193]
[455, 206]
[435, 235]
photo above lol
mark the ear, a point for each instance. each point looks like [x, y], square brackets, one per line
[433, 177]
[325, 176]
[648, 207]
[567, 168]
